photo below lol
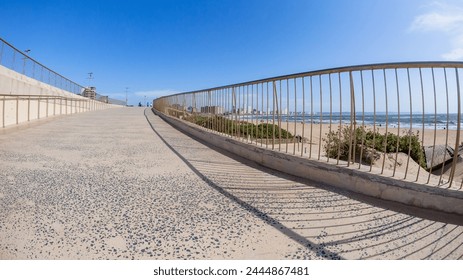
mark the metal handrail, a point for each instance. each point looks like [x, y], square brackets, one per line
[362, 100]
[43, 67]
[52, 78]
[19, 108]
[380, 66]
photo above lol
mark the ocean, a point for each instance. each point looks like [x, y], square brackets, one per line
[415, 120]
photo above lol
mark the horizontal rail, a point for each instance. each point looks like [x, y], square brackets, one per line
[16, 109]
[396, 119]
[395, 65]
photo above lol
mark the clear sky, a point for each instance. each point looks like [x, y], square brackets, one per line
[158, 47]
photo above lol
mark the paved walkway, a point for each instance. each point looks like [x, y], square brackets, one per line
[115, 184]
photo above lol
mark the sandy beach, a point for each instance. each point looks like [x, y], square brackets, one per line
[398, 165]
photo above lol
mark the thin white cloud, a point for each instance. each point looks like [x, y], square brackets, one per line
[435, 21]
[447, 19]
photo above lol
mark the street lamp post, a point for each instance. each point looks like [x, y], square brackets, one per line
[24, 62]
[126, 102]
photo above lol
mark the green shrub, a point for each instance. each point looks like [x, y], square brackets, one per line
[373, 143]
[242, 128]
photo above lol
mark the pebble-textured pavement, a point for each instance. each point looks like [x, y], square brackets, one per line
[115, 184]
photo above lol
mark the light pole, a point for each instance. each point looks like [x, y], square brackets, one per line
[126, 90]
[24, 62]
[90, 78]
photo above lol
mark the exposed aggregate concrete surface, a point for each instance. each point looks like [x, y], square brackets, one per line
[105, 185]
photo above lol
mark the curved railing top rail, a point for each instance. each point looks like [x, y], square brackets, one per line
[378, 66]
[399, 118]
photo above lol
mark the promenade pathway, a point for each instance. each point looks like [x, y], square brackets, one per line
[123, 184]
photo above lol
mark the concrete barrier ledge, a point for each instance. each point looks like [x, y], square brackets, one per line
[450, 201]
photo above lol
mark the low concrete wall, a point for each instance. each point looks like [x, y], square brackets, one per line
[374, 185]
[24, 99]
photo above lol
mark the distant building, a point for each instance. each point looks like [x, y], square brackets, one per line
[89, 92]
[217, 110]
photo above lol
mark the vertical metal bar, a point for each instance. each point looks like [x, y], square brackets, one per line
[351, 154]
[303, 115]
[422, 117]
[248, 136]
[411, 122]
[287, 114]
[262, 116]
[447, 123]
[257, 113]
[374, 113]
[295, 117]
[252, 113]
[234, 108]
[340, 118]
[363, 120]
[331, 116]
[244, 116]
[209, 109]
[311, 118]
[387, 121]
[279, 120]
[321, 118]
[435, 124]
[216, 110]
[398, 123]
[266, 134]
[238, 113]
[273, 116]
[229, 124]
[457, 140]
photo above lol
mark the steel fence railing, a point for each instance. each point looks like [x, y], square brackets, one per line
[16, 60]
[397, 119]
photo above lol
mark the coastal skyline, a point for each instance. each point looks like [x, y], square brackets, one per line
[157, 48]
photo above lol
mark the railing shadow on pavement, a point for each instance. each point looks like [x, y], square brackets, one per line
[335, 224]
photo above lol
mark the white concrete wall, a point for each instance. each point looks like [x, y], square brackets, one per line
[16, 108]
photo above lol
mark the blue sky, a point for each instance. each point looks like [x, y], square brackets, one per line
[160, 47]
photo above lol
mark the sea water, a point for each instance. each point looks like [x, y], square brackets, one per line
[405, 120]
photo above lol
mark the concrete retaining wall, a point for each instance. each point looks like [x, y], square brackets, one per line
[374, 185]
[24, 99]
